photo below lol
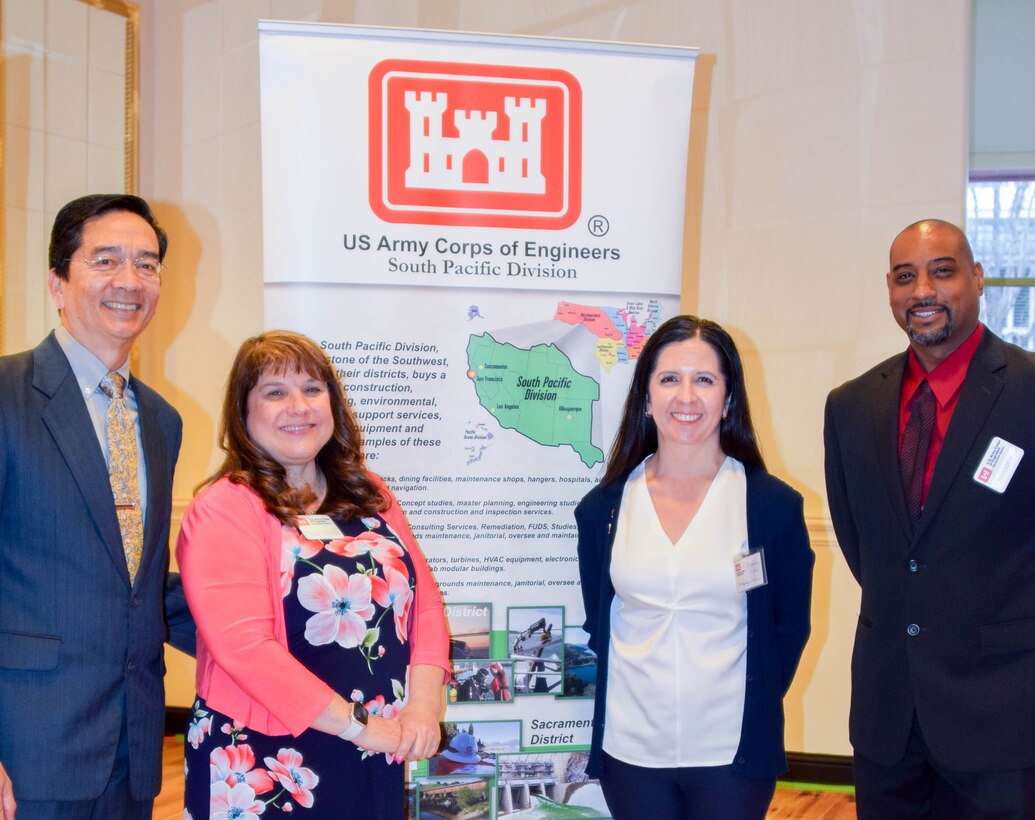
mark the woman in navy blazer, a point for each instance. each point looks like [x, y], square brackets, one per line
[687, 444]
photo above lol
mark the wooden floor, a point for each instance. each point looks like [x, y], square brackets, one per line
[169, 803]
[810, 805]
[788, 803]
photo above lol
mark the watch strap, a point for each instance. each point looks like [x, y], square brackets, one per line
[354, 728]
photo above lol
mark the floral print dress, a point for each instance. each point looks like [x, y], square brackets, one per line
[347, 605]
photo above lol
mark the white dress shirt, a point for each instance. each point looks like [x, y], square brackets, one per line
[676, 677]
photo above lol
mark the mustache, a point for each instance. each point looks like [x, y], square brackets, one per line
[924, 305]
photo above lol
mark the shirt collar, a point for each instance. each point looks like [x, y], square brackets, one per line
[86, 367]
[947, 376]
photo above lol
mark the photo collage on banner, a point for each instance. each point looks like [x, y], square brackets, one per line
[482, 232]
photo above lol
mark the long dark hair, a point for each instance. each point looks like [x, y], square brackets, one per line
[351, 492]
[638, 434]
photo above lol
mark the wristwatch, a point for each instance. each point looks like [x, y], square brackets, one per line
[358, 722]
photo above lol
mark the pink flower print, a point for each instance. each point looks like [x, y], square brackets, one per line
[235, 730]
[288, 770]
[288, 807]
[342, 606]
[197, 731]
[383, 550]
[236, 764]
[233, 802]
[357, 695]
[376, 706]
[293, 546]
[186, 815]
[394, 591]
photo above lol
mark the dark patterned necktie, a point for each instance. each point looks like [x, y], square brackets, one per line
[916, 440]
[122, 452]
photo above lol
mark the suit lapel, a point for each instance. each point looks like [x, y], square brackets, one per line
[885, 432]
[68, 422]
[978, 394]
[158, 470]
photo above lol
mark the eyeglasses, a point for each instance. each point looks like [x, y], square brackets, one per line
[146, 267]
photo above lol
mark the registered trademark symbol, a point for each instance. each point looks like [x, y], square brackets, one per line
[598, 225]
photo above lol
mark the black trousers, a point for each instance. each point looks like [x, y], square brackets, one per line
[919, 788]
[697, 792]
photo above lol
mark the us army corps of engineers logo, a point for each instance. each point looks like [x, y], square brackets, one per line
[464, 144]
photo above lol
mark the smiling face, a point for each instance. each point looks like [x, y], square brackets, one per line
[934, 288]
[106, 313]
[687, 395]
[289, 416]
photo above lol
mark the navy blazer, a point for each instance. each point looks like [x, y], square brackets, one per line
[946, 628]
[778, 614]
[80, 648]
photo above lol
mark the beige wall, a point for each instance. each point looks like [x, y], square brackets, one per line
[819, 129]
[64, 73]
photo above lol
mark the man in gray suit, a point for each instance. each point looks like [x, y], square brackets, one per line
[930, 468]
[83, 617]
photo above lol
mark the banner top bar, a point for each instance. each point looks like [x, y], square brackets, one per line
[474, 38]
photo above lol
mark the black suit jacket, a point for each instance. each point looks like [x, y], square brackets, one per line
[947, 621]
[80, 649]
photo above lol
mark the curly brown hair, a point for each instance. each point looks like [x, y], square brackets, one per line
[351, 490]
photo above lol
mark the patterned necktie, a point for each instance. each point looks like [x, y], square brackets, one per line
[912, 457]
[122, 449]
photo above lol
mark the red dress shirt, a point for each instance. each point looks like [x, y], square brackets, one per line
[945, 381]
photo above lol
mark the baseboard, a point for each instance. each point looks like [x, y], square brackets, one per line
[831, 770]
[175, 720]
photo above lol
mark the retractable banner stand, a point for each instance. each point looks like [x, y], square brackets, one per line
[482, 232]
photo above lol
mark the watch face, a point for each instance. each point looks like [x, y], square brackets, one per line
[359, 713]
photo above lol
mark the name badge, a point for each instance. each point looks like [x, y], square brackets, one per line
[749, 569]
[318, 527]
[998, 464]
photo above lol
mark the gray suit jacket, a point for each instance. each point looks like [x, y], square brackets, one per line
[947, 622]
[80, 649]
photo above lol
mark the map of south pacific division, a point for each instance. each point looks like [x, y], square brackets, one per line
[537, 392]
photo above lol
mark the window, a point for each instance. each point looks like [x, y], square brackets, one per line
[1020, 312]
[1001, 229]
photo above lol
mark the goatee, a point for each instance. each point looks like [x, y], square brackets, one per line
[930, 337]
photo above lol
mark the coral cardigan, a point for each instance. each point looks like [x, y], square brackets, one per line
[230, 551]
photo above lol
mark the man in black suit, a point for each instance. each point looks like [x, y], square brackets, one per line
[86, 600]
[943, 672]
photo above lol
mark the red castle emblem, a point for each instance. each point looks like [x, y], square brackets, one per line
[463, 144]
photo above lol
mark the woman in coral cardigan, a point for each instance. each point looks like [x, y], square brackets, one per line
[322, 645]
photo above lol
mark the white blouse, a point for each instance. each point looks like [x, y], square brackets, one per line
[678, 655]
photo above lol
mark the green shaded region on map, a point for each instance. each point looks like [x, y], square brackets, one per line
[536, 392]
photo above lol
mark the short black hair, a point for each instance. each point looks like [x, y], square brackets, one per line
[67, 234]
